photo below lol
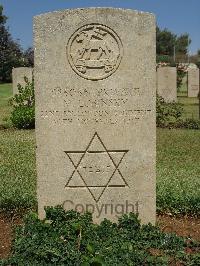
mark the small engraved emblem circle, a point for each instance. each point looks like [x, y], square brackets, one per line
[94, 51]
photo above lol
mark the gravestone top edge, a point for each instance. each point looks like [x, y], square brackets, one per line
[14, 68]
[164, 67]
[137, 12]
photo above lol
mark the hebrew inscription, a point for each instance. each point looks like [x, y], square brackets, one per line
[94, 51]
[96, 168]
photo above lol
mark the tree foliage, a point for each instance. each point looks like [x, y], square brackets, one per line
[167, 41]
[182, 44]
[29, 57]
[11, 54]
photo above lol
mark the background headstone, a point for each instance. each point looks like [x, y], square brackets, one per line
[167, 83]
[18, 75]
[95, 111]
[193, 82]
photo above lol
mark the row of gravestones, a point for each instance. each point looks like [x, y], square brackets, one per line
[95, 88]
[166, 81]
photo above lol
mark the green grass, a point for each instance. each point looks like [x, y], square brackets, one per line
[17, 161]
[182, 91]
[5, 94]
[178, 171]
[190, 107]
[17, 169]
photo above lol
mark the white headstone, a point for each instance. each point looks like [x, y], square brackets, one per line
[193, 82]
[167, 83]
[18, 75]
[95, 111]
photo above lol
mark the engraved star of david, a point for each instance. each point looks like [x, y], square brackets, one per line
[96, 168]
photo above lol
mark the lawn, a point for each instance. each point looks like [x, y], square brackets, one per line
[190, 105]
[178, 167]
[178, 170]
[5, 94]
[17, 169]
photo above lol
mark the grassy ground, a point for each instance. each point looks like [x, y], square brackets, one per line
[5, 94]
[17, 160]
[178, 170]
[178, 167]
[190, 105]
[17, 169]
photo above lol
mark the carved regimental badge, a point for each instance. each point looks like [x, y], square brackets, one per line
[94, 51]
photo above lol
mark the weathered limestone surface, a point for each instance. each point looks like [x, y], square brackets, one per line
[193, 82]
[18, 75]
[166, 83]
[95, 85]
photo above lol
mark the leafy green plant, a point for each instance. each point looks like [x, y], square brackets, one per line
[181, 73]
[23, 114]
[69, 238]
[189, 123]
[167, 113]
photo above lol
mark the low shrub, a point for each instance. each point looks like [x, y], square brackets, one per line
[23, 114]
[23, 117]
[189, 123]
[69, 238]
[167, 113]
[164, 58]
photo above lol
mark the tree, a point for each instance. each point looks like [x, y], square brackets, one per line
[198, 58]
[11, 54]
[3, 18]
[182, 43]
[169, 44]
[165, 41]
[29, 57]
